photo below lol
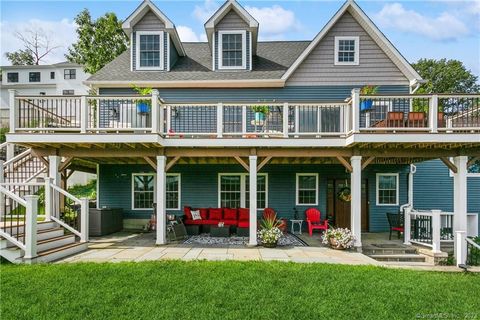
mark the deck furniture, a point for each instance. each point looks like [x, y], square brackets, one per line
[217, 231]
[314, 222]
[297, 222]
[236, 217]
[105, 221]
[395, 220]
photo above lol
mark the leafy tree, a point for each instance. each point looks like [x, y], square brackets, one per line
[99, 41]
[20, 58]
[446, 76]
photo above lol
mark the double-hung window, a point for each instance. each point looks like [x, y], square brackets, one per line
[69, 74]
[149, 51]
[144, 188]
[232, 49]
[387, 189]
[347, 50]
[307, 189]
[233, 191]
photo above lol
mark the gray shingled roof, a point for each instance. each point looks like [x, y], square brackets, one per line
[271, 62]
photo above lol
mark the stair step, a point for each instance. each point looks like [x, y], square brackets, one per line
[398, 257]
[61, 252]
[40, 226]
[384, 251]
[41, 235]
[55, 242]
[408, 263]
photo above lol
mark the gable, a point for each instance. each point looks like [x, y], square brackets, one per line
[375, 66]
[149, 22]
[232, 21]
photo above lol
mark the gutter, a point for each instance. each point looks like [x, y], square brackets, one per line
[260, 83]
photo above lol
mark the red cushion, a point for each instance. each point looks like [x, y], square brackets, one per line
[229, 214]
[397, 228]
[215, 214]
[204, 213]
[243, 214]
[187, 212]
[230, 222]
[243, 224]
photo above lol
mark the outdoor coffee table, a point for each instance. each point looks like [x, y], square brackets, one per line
[296, 222]
[216, 231]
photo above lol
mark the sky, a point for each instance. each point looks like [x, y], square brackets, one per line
[419, 29]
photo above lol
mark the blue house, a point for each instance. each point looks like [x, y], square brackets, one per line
[245, 124]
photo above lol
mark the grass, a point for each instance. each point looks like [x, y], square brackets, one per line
[233, 290]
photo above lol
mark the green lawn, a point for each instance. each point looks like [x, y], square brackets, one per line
[233, 290]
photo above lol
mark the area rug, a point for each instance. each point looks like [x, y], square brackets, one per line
[288, 240]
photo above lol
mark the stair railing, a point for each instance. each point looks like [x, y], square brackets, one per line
[424, 228]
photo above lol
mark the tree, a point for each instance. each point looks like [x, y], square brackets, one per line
[99, 41]
[20, 58]
[446, 76]
[37, 45]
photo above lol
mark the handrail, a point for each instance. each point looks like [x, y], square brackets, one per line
[3, 145]
[13, 196]
[46, 111]
[66, 226]
[473, 243]
[66, 194]
[13, 240]
[18, 157]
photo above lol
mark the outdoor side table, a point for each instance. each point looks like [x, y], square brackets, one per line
[296, 222]
[216, 231]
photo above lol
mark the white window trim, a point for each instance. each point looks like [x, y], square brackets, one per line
[137, 58]
[155, 190]
[243, 188]
[357, 52]
[397, 176]
[297, 202]
[244, 50]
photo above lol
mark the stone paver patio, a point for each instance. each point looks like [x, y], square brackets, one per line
[124, 246]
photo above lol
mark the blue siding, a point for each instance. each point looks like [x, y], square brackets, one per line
[291, 94]
[201, 190]
[433, 188]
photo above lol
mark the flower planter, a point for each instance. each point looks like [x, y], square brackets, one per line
[259, 116]
[335, 245]
[366, 105]
[143, 107]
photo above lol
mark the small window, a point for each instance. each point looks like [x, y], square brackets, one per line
[387, 189]
[232, 50]
[34, 76]
[12, 77]
[69, 74]
[173, 192]
[347, 50]
[52, 75]
[143, 191]
[149, 50]
[307, 189]
[68, 92]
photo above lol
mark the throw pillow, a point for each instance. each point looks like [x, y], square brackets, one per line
[188, 212]
[196, 215]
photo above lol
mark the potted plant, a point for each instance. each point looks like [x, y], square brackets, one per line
[367, 104]
[261, 111]
[143, 105]
[270, 231]
[338, 238]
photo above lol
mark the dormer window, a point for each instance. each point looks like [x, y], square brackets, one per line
[149, 54]
[347, 50]
[232, 49]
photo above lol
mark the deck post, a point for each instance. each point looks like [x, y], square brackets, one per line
[10, 151]
[252, 240]
[460, 242]
[285, 119]
[2, 196]
[161, 204]
[84, 212]
[356, 203]
[56, 179]
[433, 114]
[460, 204]
[31, 227]
[407, 225]
[356, 110]
[436, 226]
[219, 120]
[13, 113]
[155, 111]
[48, 199]
[83, 114]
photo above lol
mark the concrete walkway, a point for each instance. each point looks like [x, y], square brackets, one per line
[125, 246]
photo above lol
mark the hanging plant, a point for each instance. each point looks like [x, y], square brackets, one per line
[345, 194]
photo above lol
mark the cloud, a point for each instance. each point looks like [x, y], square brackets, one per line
[274, 21]
[186, 34]
[443, 27]
[61, 33]
[204, 12]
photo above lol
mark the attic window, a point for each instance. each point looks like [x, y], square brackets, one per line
[149, 51]
[232, 49]
[347, 50]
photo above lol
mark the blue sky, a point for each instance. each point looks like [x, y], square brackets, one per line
[430, 29]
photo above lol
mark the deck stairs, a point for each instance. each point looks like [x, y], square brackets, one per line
[395, 254]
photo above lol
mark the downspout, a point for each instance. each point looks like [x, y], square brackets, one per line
[413, 170]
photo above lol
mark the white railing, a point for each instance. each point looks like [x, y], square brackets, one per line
[432, 113]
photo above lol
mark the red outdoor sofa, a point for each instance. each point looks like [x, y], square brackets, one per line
[238, 218]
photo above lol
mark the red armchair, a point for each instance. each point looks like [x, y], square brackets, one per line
[313, 218]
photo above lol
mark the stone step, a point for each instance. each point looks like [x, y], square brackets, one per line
[384, 251]
[407, 264]
[398, 257]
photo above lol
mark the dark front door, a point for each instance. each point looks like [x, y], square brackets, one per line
[339, 210]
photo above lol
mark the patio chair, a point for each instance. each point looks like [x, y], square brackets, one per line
[395, 220]
[313, 218]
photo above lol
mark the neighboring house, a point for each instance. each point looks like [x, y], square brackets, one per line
[284, 118]
[63, 78]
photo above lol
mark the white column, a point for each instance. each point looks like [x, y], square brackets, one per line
[460, 242]
[48, 199]
[84, 212]
[161, 204]
[2, 196]
[219, 120]
[83, 114]
[356, 110]
[285, 119]
[460, 202]
[356, 203]
[252, 241]
[436, 231]
[155, 111]
[31, 227]
[55, 176]
[13, 110]
[433, 114]
[407, 225]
